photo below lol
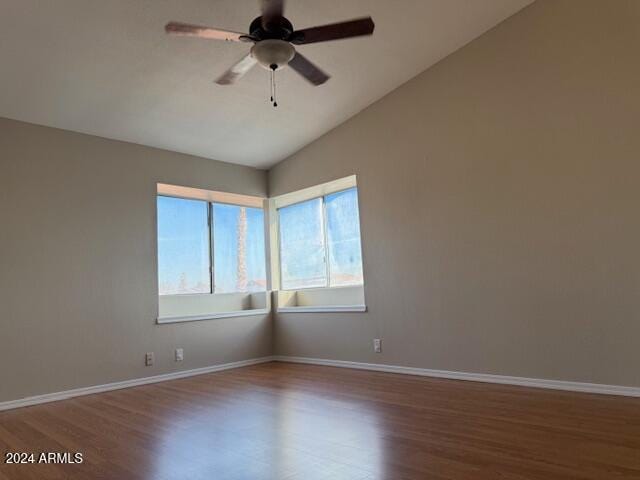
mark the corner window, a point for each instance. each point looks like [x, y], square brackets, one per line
[207, 247]
[320, 242]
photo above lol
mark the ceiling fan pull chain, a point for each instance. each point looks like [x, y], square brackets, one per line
[275, 100]
[271, 84]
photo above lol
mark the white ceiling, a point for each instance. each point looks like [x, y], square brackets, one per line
[105, 67]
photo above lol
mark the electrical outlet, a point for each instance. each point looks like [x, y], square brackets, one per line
[179, 354]
[148, 359]
[377, 345]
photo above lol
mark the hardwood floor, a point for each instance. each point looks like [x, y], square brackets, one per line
[287, 422]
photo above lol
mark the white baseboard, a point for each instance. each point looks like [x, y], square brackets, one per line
[53, 397]
[474, 377]
[425, 372]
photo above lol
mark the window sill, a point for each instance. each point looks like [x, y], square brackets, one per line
[211, 316]
[324, 309]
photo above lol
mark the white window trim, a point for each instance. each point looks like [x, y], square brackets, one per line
[324, 309]
[316, 191]
[211, 316]
[210, 196]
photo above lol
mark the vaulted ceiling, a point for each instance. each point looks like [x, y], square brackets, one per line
[107, 68]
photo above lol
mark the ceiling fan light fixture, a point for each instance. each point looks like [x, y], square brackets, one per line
[273, 54]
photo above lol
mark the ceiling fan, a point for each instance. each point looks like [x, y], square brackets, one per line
[273, 38]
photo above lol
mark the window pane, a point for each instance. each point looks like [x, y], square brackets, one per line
[183, 246]
[343, 236]
[239, 254]
[302, 257]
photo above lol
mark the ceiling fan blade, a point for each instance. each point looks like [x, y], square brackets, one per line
[271, 10]
[189, 30]
[334, 31]
[308, 70]
[236, 72]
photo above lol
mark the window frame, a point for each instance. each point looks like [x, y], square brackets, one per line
[211, 233]
[325, 240]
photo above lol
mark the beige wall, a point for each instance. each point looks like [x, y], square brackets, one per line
[499, 207]
[500, 200]
[78, 285]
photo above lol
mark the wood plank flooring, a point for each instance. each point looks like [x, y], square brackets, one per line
[281, 421]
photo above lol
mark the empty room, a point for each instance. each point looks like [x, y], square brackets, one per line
[304, 240]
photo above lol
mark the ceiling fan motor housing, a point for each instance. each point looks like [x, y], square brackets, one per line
[273, 54]
[279, 28]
